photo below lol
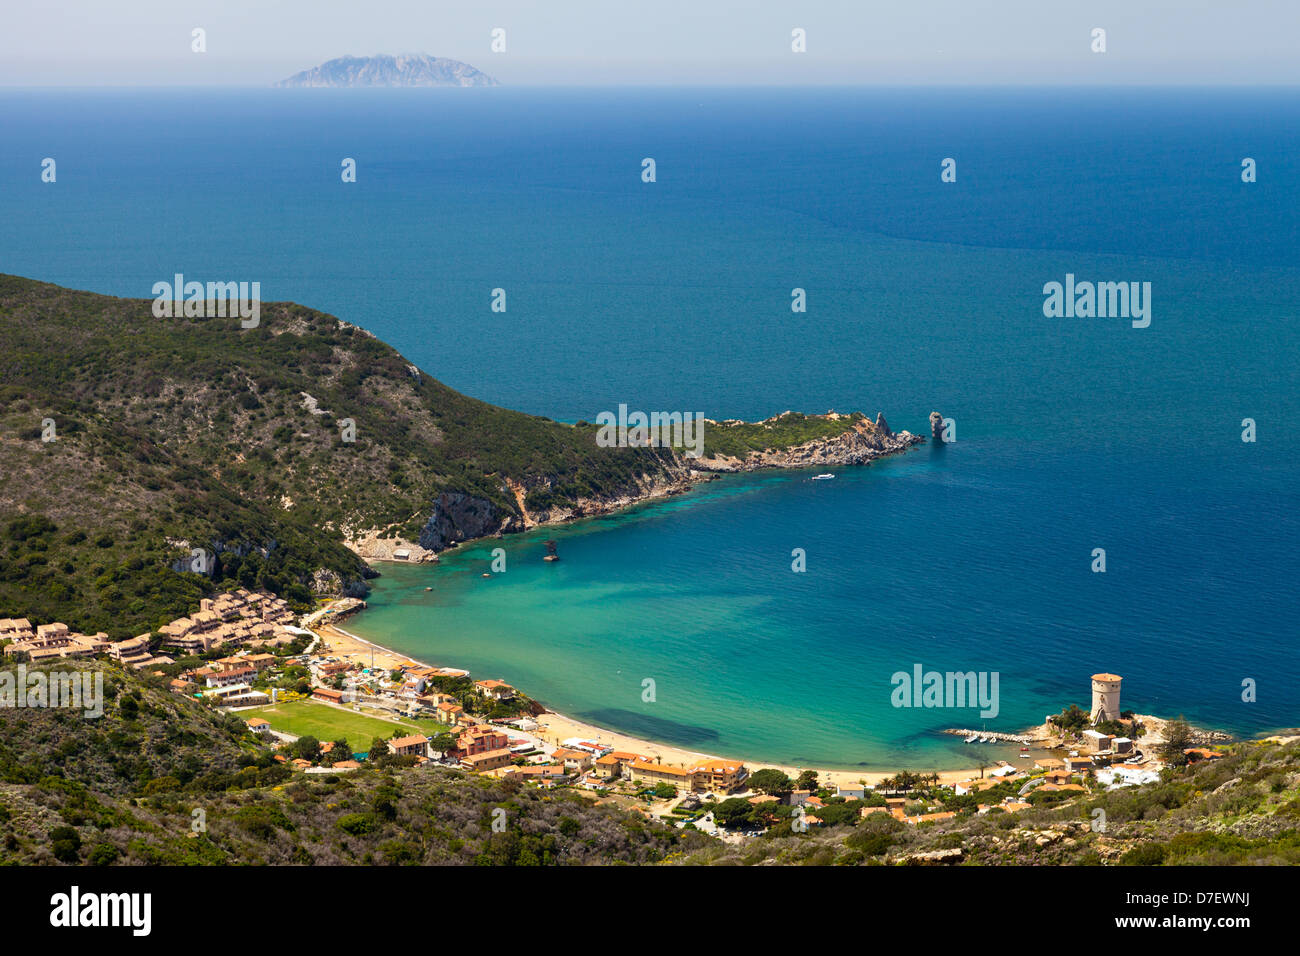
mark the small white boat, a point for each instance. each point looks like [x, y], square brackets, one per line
[822, 477]
[972, 738]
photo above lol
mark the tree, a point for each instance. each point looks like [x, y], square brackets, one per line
[907, 780]
[338, 752]
[1071, 720]
[65, 843]
[1178, 737]
[733, 812]
[769, 780]
[807, 780]
[839, 814]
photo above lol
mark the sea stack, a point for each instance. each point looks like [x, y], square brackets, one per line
[882, 426]
[936, 425]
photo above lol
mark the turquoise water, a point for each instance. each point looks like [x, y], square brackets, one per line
[1071, 434]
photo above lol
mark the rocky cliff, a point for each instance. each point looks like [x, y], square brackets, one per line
[456, 517]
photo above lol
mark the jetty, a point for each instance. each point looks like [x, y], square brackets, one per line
[993, 735]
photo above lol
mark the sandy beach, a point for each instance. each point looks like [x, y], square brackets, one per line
[336, 642]
[555, 727]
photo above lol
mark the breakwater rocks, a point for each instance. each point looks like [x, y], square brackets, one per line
[992, 735]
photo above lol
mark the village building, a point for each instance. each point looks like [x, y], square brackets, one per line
[573, 760]
[16, 629]
[547, 775]
[48, 641]
[495, 689]
[448, 713]
[963, 787]
[236, 695]
[415, 746]
[488, 760]
[653, 774]
[214, 676]
[240, 617]
[718, 776]
[132, 651]
[898, 814]
[1097, 741]
[481, 739]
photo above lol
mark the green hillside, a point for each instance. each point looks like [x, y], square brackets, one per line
[1240, 809]
[161, 779]
[199, 431]
[176, 434]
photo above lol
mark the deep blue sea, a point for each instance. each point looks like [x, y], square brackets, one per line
[1071, 433]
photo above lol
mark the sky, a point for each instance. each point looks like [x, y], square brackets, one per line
[607, 42]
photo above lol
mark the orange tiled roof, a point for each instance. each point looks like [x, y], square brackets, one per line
[718, 766]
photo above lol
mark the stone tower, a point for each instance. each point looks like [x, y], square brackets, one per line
[1105, 697]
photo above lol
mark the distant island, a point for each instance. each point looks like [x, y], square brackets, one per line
[415, 69]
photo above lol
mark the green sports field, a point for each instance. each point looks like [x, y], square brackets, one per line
[311, 718]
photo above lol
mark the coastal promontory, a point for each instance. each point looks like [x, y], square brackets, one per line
[284, 456]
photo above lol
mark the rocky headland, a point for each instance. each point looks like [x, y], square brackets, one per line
[458, 517]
